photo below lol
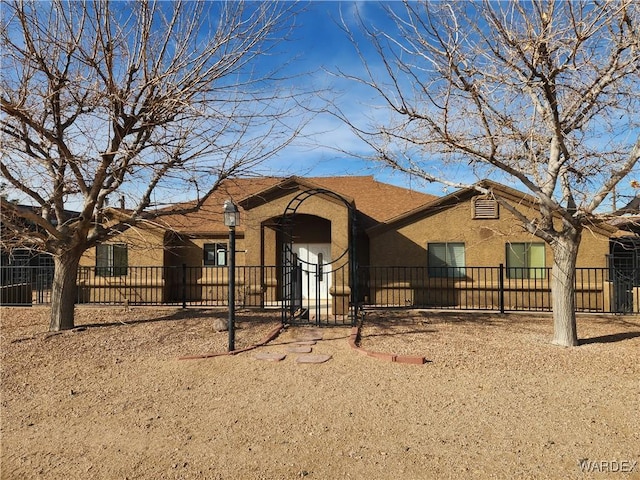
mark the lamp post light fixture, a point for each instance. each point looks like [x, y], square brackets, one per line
[231, 220]
[231, 214]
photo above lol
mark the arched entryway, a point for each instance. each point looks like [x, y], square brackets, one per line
[317, 271]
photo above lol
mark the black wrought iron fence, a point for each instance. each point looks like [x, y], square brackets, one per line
[179, 285]
[605, 290]
[482, 288]
[25, 284]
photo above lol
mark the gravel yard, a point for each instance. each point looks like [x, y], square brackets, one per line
[113, 400]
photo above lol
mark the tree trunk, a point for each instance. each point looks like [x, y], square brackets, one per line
[64, 291]
[563, 273]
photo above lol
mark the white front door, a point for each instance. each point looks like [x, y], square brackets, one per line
[315, 285]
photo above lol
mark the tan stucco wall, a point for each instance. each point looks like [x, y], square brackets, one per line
[317, 205]
[485, 240]
[593, 249]
[260, 239]
[485, 246]
[148, 251]
[204, 283]
[191, 251]
[321, 218]
[145, 247]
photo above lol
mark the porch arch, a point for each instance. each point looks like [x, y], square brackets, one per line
[341, 267]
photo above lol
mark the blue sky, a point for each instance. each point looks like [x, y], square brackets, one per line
[317, 47]
[320, 47]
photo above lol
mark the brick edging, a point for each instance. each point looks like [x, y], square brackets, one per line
[354, 339]
[270, 336]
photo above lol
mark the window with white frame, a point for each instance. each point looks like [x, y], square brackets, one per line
[215, 254]
[526, 260]
[446, 259]
[112, 260]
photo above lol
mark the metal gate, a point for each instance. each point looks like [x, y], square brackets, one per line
[622, 273]
[316, 289]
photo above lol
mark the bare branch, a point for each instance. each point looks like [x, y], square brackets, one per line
[525, 88]
[542, 92]
[112, 98]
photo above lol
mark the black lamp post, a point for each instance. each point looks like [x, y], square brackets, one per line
[231, 220]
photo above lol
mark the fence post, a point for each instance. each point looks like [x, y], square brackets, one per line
[501, 288]
[184, 285]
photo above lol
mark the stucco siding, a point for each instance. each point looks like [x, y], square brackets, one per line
[324, 218]
[485, 240]
[485, 245]
[321, 219]
[145, 247]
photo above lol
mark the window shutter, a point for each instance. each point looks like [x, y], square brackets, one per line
[485, 208]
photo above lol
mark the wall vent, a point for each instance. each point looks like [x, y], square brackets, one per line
[485, 208]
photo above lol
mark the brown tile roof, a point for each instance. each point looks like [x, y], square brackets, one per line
[375, 201]
[208, 219]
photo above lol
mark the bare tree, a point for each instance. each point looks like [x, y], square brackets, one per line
[139, 99]
[545, 92]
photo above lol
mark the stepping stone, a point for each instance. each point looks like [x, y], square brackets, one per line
[305, 342]
[313, 358]
[271, 357]
[299, 349]
[310, 337]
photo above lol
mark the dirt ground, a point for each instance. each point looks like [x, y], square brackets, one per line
[495, 400]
